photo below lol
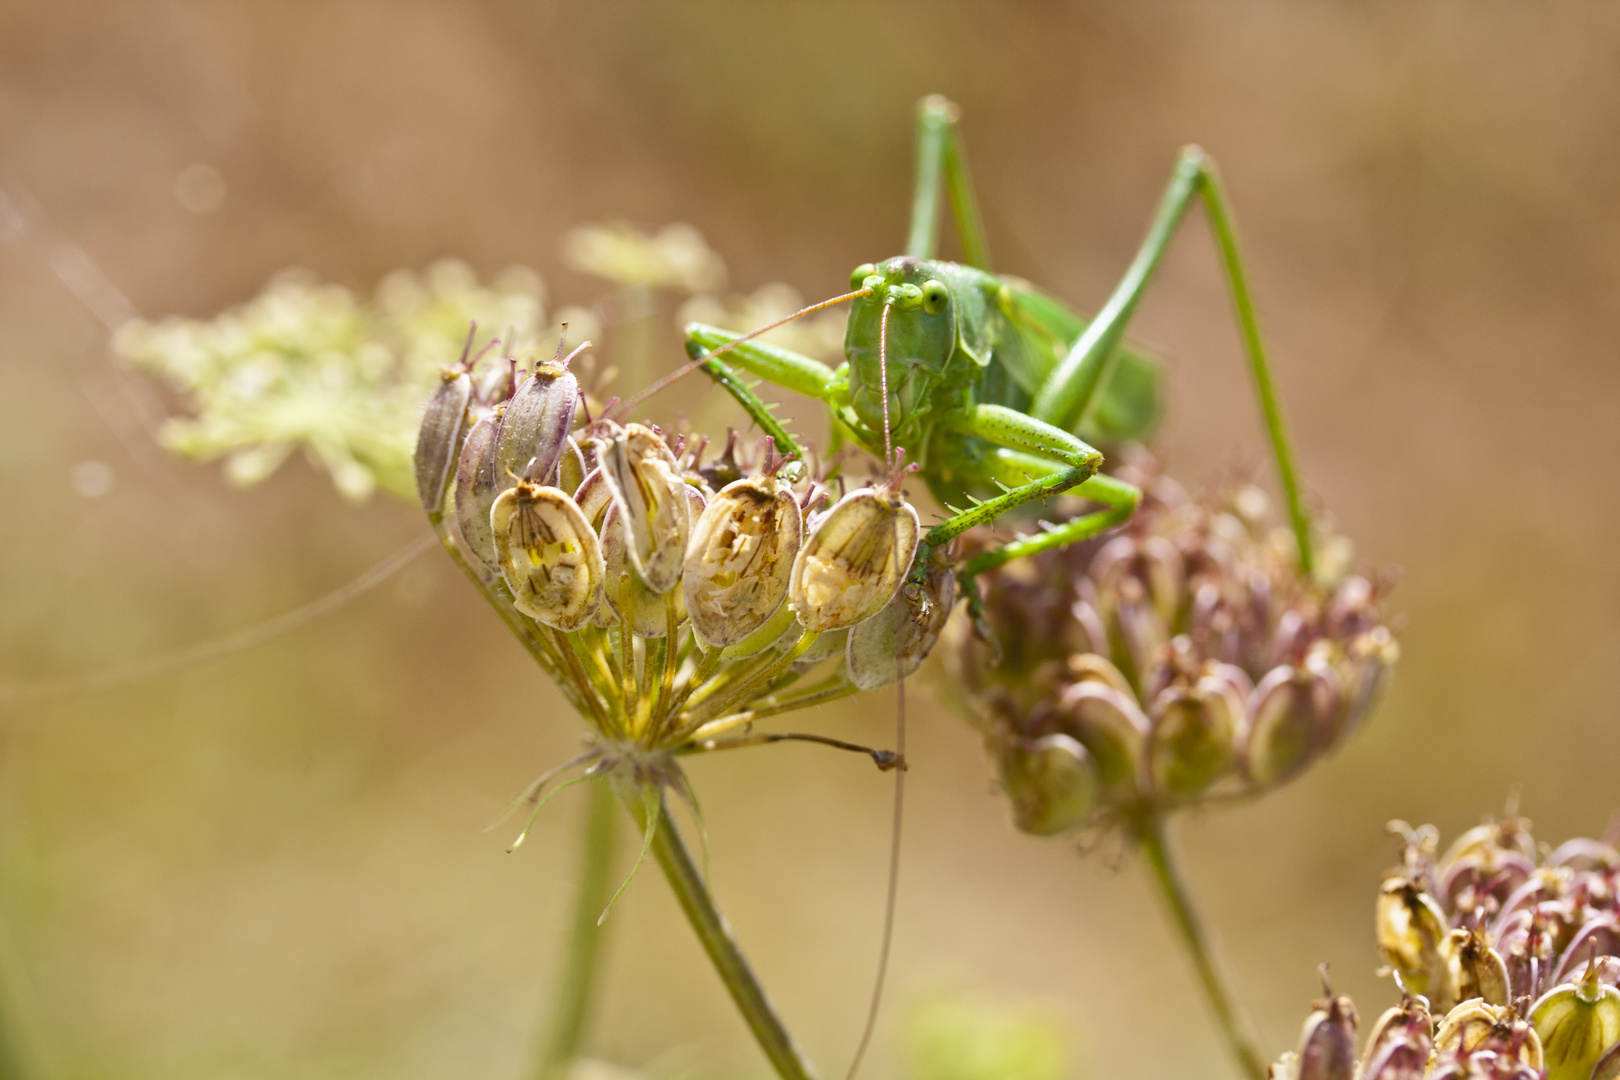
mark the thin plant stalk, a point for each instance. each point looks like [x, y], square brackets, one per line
[715, 935]
[571, 1007]
[1234, 1022]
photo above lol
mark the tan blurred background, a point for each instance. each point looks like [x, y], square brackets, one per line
[271, 864]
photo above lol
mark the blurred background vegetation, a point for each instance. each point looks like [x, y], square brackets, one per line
[271, 864]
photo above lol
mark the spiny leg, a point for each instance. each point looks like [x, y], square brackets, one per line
[940, 156]
[1071, 390]
[783, 367]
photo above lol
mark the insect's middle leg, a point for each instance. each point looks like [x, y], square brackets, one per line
[1051, 461]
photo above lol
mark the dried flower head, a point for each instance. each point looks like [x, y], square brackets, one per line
[1183, 657]
[674, 599]
[1509, 956]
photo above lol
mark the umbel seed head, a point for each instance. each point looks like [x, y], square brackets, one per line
[1517, 949]
[1186, 651]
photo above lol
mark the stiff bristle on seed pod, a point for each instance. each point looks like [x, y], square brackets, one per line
[1186, 654]
[1508, 954]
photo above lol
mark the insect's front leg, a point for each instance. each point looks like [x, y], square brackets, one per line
[783, 367]
[1050, 461]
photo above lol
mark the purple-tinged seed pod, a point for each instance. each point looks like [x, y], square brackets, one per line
[1052, 785]
[854, 560]
[894, 642]
[1327, 1044]
[641, 476]
[1291, 714]
[1153, 562]
[1109, 724]
[1584, 854]
[548, 555]
[1371, 658]
[1471, 969]
[1474, 1026]
[739, 559]
[1493, 873]
[1399, 1043]
[1577, 1024]
[1192, 736]
[1401, 1058]
[438, 440]
[477, 487]
[535, 427]
[1090, 667]
[628, 594]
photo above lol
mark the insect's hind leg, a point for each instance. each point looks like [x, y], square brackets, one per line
[1071, 390]
[940, 156]
[783, 367]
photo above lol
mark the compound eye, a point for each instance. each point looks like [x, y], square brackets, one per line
[935, 296]
[857, 280]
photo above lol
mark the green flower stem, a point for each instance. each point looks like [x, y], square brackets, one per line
[1235, 1024]
[715, 934]
[573, 1000]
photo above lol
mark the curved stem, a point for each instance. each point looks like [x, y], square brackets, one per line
[573, 1000]
[715, 935]
[1235, 1024]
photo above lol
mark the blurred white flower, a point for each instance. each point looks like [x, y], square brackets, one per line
[676, 257]
[310, 366]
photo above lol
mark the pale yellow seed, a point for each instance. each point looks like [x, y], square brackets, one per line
[854, 560]
[740, 558]
[549, 556]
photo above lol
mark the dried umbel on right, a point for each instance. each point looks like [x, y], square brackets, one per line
[1509, 955]
[1184, 657]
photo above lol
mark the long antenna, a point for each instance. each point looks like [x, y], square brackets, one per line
[212, 649]
[892, 897]
[686, 369]
[883, 385]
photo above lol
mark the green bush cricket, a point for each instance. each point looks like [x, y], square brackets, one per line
[993, 389]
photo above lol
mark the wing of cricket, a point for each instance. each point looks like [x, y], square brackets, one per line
[1129, 407]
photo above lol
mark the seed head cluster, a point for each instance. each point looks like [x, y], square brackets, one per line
[1181, 658]
[674, 598]
[1508, 953]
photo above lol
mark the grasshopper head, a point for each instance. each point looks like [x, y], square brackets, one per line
[920, 340]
